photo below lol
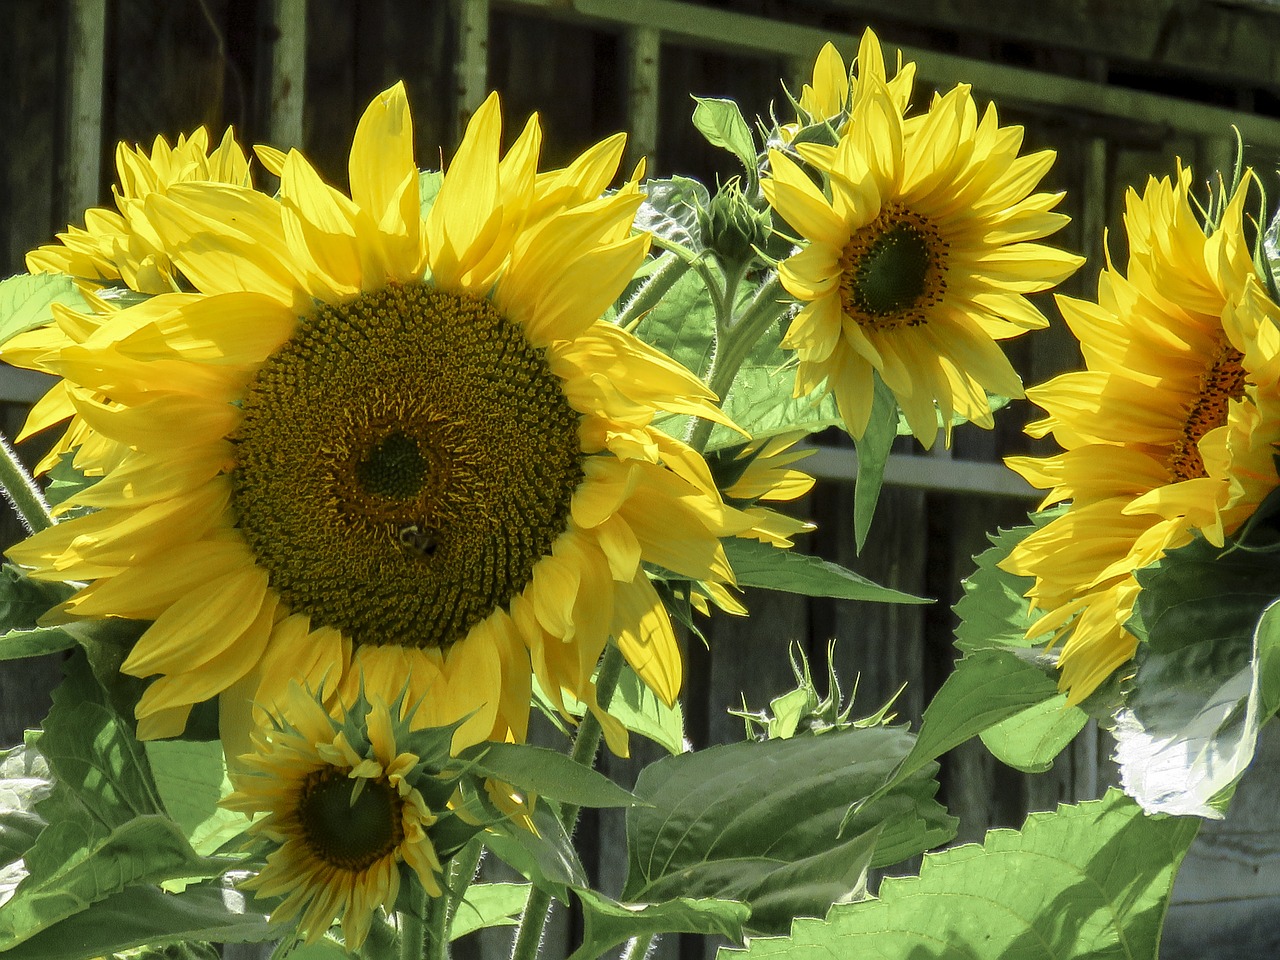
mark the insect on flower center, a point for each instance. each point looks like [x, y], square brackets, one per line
[892, 270]
[1223, 381]
[349, 823]
[404, 461]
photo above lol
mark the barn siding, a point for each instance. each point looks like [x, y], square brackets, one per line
[1118, 90]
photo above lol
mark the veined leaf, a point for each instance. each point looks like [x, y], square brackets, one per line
[1206, 678]
[608, 923]
[146, 916]
[547, 773]
[670, 212]
[760, 823]
[26, 299]
[488, 905]
[191, 777]
[1087, 881]
[641, 711]
[722, 123]
[757, 564]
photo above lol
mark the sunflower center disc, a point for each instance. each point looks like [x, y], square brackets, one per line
[1222, 382]
[347, 830]
[404, 462]
[892, 270]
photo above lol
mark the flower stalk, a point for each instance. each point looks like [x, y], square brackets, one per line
[21, 490]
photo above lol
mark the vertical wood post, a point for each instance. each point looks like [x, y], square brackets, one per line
[643, 46]
[288, 73]
[86, 46]
[473, 59]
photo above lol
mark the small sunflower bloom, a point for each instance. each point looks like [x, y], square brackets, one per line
[371, 445]
[835, 87]
[1170, 431]
[917, 259]
[121, 245]
[338, 806]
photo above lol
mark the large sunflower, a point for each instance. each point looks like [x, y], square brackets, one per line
[377, 440]
[918, 259]
[339, 806]
[1170, 429]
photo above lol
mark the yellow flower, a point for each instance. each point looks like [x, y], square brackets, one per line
[123, 245]
[376, 443]
[764, 475]
[918, 261]
[340, 806]
[834, 88]
[1170, 429]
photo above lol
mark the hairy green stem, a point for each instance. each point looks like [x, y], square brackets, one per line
[736, 342]
[435, 938]
[538, 907]
[462, 871]
[670, 268]
[20, 489]
[637, 948]
[412, 929]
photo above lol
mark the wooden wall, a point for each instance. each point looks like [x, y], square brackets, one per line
[1119, 89]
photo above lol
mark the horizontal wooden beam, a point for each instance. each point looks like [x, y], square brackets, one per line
[746, 34]
[939, 474]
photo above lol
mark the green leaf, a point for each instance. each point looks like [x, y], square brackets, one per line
[24, 781]
[92, 751]
[18, 644]
[760, 822]
[75, 863]
[995, 615]
[641, 711]
[757, 564]
[607, 923]
[26, 299]
[191, 777]
[873, 454]
[722, 123]
[986, 688]
[146, 916]
[547, 773]
[546, 857]
[1087, 881]
[994, 611]
[761, 400]
[429, 184]
[489, 905]
[670, 212]
[1206, 676]
[683, 326]
[65, 481]
[1030, 741]
[24, 601]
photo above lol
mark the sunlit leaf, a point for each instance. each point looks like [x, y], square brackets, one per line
[1087, 881]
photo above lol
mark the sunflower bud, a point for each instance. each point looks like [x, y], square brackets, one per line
[731, 225]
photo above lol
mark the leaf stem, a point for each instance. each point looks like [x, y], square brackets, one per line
[20, 489]
[462, 871]
[412, 929]
[669, 269]
[538, 907]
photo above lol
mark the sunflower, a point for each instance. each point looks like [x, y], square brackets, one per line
[918, 260]
[339, 806]
[834, 87]
[378, 443]
[113, 247]
[761, 472]
[120, 245]
[1170, 430]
